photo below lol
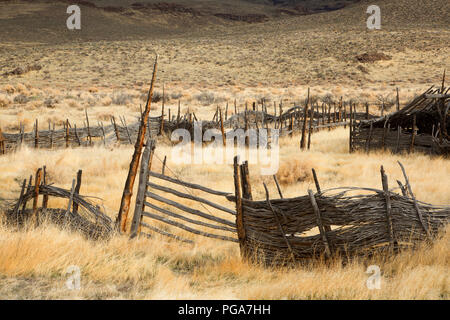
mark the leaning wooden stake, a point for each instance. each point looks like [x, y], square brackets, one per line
[121, 220]
[72, 192]
[319, 223]
[283, 233]
[30, 181]
[416, 206]
[22, 191]
[37, 183]
[278, 186]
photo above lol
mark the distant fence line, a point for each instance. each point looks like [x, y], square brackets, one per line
[287, 122]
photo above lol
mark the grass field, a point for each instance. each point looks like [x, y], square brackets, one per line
[33, 263]
[205, 62]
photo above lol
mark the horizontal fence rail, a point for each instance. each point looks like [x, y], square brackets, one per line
[155, 207]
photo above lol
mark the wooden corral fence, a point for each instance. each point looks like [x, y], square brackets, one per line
[423, 125]
[347, 222]
[178, 208]
[313, 117]
[79, 215]
[73, 136]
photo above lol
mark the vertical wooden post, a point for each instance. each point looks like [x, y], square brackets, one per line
[103, 133]
[36, 135]
[76, 135]
[413, 136]
[121, 220]
[161, 127]
[398, 100]
[45, 197]
[77, 190]
[226, 112]
[37, 183]
[310, 127]
[245, 179]
[224, 139]
[303, 140]
[351, 130]
[116, 130]
[67, 133]
[88, 127]
[24, 205]
[390, 229]
[240, 226]
[142, 187]
[178, 113]
[397, 146]
[369, 138]
[367, 111]
[163, 170]
[291, 125]
[72, 191]
[2, 143]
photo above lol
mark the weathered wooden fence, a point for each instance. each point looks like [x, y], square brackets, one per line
[73, 136]
[168, 209]
[79, 215]
[345, 222]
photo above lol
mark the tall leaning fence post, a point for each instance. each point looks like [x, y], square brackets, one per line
[121, 220]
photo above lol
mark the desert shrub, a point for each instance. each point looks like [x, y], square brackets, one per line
[106, 101]
[176, 95]
[4, 101]
[121, 98]
[293, 171]
[21, 99]
[9, 89]
[50, 102]
[206, 98]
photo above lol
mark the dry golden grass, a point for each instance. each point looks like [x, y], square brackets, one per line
[33, 262]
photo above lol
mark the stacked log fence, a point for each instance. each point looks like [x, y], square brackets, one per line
[340, 222]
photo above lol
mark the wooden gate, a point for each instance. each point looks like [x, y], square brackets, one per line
[159, 203]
